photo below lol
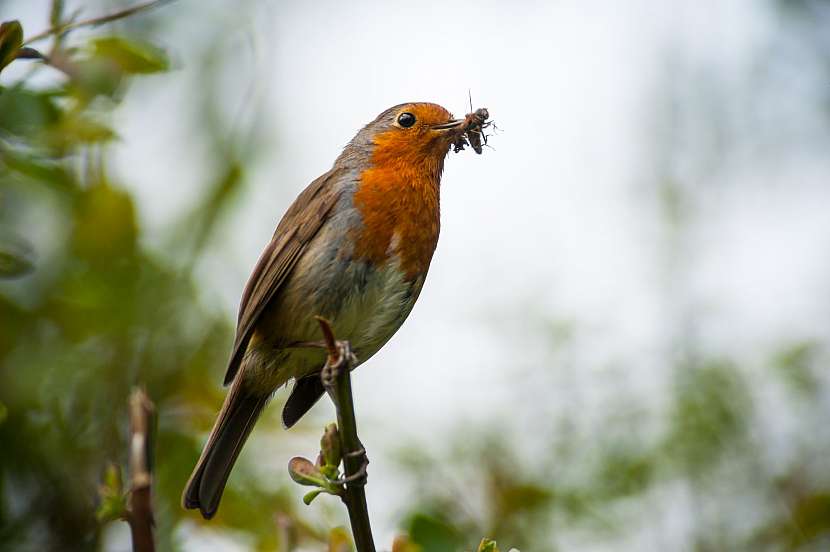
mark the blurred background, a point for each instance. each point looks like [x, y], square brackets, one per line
[623, 340]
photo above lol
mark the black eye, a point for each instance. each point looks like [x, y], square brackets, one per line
[406, 119]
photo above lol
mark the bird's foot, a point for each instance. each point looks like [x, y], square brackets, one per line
[345, 356]
[358, 478]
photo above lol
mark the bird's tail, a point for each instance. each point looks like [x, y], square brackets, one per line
[232, 427]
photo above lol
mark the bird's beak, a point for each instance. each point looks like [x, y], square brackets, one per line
[455, 123]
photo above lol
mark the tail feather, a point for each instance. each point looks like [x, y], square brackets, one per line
[233, 425]
[307, 391]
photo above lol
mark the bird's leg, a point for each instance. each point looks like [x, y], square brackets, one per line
[355, 461]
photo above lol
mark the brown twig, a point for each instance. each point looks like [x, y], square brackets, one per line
[328, 338]
[337, 382]
[100, 20]
[140, 515]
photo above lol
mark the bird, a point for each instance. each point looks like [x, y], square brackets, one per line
[354, 248]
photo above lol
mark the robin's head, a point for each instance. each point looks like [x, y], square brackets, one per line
[414, 134]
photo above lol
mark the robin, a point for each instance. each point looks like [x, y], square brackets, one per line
[354, 247]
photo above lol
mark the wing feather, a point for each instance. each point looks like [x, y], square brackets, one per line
[297, 228]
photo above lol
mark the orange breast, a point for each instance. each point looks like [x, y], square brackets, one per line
[398, 198]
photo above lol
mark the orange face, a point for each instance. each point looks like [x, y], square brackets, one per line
[398, 192]
[417, 132]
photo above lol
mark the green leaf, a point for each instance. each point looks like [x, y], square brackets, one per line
[624, 471]
[95, 76]
[433, 535]
[487, 545]
[106, 227]
[339, 540]
[41, 169]
[131, 56]
[710, 413]
[304, 472]
[11, 39]
[113, 500]
[15, 257]
[794, 364]
[330, 446]
[78, 129]
[112, 478]
[25, 112]
[403, 544]
[311, 495]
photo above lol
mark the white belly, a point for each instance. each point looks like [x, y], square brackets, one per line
[368, 314]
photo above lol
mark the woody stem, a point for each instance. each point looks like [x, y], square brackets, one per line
[339, 389]
[100, 20]
[140, 514]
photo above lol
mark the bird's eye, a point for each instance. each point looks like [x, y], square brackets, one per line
[406, 119]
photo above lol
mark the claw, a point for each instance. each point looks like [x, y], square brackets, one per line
[345, 350]
[358, 453]
[330, 372]
[359, 477]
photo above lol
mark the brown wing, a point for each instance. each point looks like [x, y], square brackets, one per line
[296, 229]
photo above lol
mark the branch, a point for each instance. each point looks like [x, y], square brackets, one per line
[140, 515]
[60, 29]
[339, 388]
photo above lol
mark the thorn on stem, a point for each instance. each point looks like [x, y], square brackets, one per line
[331, 343]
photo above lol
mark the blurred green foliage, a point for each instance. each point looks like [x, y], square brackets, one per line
[94, 311]
[711, 454]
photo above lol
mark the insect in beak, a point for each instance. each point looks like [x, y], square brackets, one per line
[470, 130]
